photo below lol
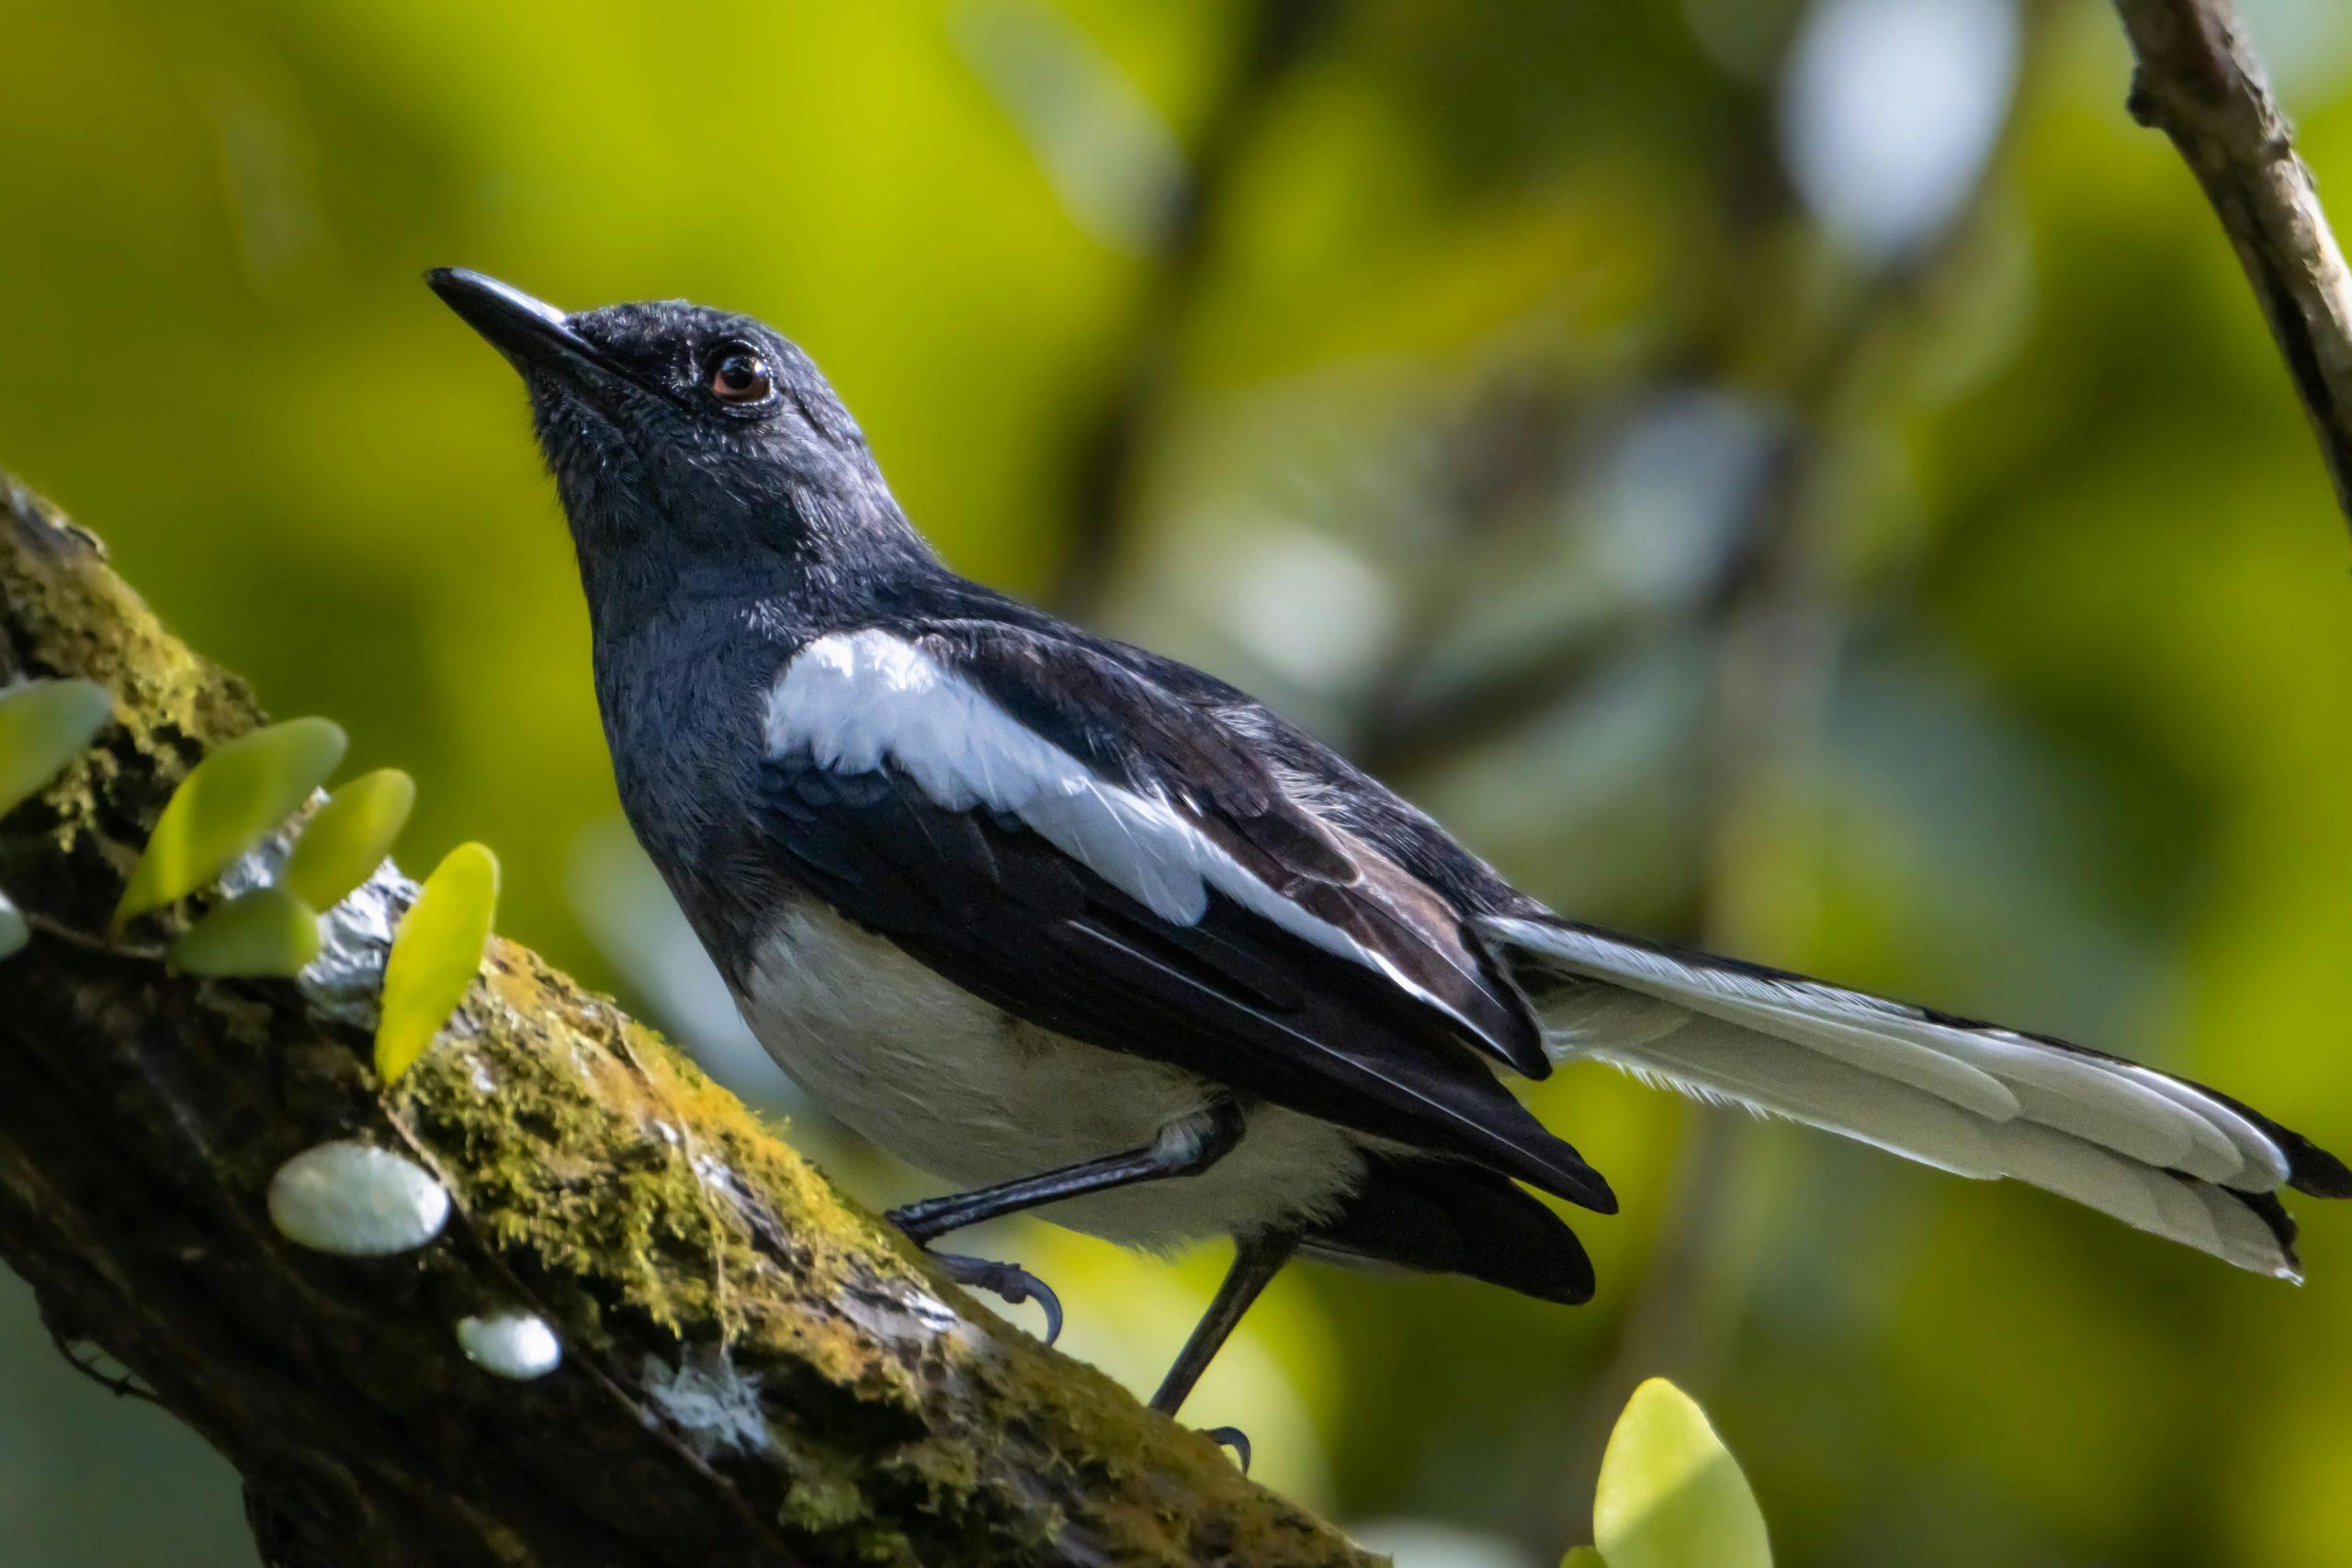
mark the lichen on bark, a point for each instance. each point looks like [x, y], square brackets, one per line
[754, 1369]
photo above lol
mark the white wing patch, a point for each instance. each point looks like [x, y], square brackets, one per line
[855, 701]
[1978, 1102]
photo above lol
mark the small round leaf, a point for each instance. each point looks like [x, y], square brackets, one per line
[267, 932]
[1670, 1493]
[1583, 1557]
[347, 839]
[240, 791]
[14, 932]
[43, 726]
[435, 955]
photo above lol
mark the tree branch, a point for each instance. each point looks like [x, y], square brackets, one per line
[754, 1371]
[2198, 82]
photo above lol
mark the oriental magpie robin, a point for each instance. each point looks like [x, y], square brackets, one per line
[1079, 928]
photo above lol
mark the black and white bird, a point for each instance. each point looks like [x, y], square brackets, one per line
[1077, 927]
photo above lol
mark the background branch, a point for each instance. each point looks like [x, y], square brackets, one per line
[1116, 442]
[755, 1372]
[2200, 83]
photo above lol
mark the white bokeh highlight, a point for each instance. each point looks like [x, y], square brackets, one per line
[1890, 110]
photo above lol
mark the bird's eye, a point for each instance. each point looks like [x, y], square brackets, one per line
[739, 374]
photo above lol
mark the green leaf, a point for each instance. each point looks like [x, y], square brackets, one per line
[347, 839]
[43, 726]
[1670, 1493]
[267, 931]
[1583, 1557]
[14, 932]
[435, 953]
[240, 791]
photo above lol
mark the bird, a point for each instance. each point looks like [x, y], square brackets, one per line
[1078, 929]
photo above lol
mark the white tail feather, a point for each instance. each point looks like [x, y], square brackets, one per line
[2152, 1151]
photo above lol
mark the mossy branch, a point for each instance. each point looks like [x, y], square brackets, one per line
[754, 1371]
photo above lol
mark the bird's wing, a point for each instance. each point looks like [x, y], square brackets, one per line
[1058, 834]
[2156, 1151]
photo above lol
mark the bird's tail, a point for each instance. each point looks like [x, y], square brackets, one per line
[2154, 1151]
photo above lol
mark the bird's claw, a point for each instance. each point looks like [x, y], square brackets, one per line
[1007, 1282]
[1232, 1437]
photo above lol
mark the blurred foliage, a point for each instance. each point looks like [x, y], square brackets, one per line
[267, 931]
[43, 724]
[1670, 1495]
[1637, 428]
[437, 951]
[228, 803]
[346, 839]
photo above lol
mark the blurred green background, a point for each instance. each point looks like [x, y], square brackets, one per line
[1809, 477]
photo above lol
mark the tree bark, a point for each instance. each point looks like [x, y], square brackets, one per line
[754, 1370]
[2200, 83]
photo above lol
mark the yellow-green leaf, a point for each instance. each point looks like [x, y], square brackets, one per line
[14, 932]
[1584, 1557]
[43, 725]
[1670, 1493]
[347, 839]
[267, 931]
[240, 791]
[435, 955]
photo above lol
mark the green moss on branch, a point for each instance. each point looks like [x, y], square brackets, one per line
[755, 1372]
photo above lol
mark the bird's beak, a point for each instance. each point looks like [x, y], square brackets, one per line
[532, 333]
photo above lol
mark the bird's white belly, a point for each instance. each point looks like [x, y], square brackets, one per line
[964, 1090]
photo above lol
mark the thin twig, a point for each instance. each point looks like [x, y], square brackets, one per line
[122, 1386]
[2200, 83]
[74, 936]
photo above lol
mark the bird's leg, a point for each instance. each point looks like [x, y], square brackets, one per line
[1256, 1261]
[1185, 1148]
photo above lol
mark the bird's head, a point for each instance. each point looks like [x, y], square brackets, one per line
[683, 437]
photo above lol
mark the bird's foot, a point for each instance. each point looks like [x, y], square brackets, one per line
[1232, 1437]
[1007, 1282]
